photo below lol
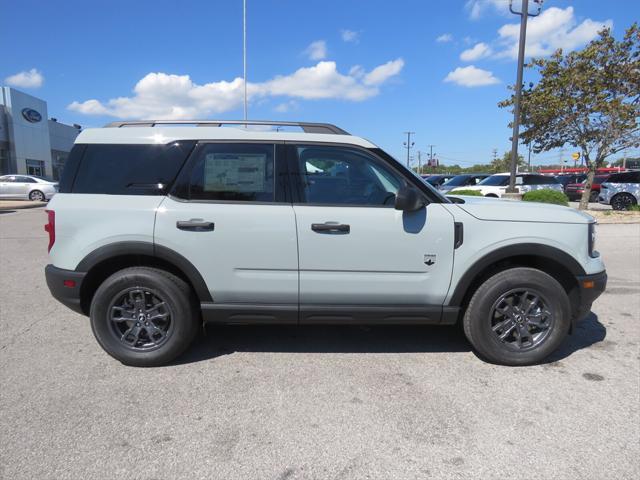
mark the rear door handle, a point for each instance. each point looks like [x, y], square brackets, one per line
[330, 227]
[195, 225]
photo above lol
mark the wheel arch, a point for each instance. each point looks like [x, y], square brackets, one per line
[106, 260]
[553, 261]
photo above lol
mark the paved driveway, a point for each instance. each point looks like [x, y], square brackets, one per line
[325, 403]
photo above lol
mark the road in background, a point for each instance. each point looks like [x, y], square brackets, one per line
[313, 402]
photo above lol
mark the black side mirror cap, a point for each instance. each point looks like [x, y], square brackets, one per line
[409, 199]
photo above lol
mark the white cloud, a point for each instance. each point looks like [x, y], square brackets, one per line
[554, 28]
[317, 50]
[27, 79]
[382, 73]
[286, 106]
[350, 36]
[479, 50]
[471, 77]
[476, 8]
[444, 38]
[167, 96]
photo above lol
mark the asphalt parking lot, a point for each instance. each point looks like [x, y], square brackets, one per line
[321, 402]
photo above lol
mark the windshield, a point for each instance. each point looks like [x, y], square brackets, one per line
[496, 181]
[456, 181]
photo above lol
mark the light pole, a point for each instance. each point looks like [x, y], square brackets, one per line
[408, 144]
[524, 14]
[244, 54]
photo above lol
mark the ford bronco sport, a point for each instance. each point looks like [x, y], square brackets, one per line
[161, 226]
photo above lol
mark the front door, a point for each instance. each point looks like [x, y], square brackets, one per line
[228, 216]
[355, 249]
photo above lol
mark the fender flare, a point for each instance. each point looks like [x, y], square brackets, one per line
[529, 249]
[148, 249]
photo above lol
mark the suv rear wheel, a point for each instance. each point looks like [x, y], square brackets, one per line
[517, 317]
[144, 316]
[622, 201]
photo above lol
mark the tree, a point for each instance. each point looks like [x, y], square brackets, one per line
[588, 99]
[504, 164]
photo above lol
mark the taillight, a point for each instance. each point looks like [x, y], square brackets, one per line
[50, 228]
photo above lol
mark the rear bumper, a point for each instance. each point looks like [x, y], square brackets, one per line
[68, 294]
[590, 288]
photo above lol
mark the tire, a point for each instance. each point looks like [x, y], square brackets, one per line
[156, 316]
[593, 197]
[37, 196]
[491, 195]
[484, 324]
[623, 201]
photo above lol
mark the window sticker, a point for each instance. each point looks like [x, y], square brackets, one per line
[234, 172]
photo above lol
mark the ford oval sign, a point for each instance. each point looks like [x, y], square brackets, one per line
[31, 115]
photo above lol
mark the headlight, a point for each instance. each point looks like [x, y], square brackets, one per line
[592, 241]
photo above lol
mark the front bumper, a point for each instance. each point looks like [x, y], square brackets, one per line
[65, 286]
[590, 287]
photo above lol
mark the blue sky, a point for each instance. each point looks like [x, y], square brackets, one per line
[376, 68]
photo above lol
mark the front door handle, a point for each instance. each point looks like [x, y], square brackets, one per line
[195, 225]
[330, 227]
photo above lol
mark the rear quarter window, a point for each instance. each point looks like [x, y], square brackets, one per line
[127, 169]
[626, 177]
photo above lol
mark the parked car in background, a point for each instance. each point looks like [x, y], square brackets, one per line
[621, 190]
[567, 178]
[436, 180]
[574, 190]
[462, 181]
[496, 185]
[27, 187]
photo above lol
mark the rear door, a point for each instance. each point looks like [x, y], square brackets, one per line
[5, 183]
[355, 249]
[228, 214]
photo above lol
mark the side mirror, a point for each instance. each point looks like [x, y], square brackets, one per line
[409, 199]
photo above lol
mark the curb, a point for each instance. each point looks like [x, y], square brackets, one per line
[20, 205]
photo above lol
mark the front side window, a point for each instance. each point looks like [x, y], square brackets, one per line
[345, 176]
[230, 172]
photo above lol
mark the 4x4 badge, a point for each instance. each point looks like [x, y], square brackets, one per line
[430, 259]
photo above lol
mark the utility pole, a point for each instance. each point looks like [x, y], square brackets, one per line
[408, 145]
[524, 14]
[529, 160]
[419, 162]
[244, 54]
[431, 155]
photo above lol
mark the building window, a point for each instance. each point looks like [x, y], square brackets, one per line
[35, 167]
[4, 162]
[58, 160]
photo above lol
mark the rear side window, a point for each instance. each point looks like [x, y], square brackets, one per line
[229, 172]
[539, 180]
[129, 169]
[627, 177]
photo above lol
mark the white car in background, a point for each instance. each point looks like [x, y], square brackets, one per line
[621, 190]
[27, 187]
[496, 185]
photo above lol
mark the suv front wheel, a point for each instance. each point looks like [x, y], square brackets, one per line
[144, 316]
[517, 317]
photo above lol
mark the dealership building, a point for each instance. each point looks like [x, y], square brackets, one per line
[31, 143]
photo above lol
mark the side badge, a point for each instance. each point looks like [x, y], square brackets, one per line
[429, 259]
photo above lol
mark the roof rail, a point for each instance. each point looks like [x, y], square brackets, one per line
[307, 127]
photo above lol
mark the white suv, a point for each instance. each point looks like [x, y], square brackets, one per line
[161, 227]
[496, 185]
